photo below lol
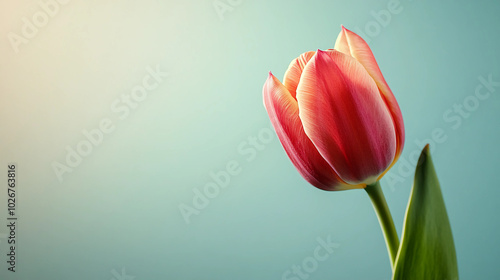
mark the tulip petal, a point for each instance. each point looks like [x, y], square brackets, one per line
[352, 44]
[284, 114]
[345, 117]
[294, 71]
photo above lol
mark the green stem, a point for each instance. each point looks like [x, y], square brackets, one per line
[385, 219]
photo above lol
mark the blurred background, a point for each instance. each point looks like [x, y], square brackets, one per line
[143, 150]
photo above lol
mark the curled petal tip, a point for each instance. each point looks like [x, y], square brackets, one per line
[270, 76]
[321, 53]
[344, 29]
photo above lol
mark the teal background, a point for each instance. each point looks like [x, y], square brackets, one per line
[119, 208]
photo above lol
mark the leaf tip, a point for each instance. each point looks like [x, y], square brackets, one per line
[426, 152]
[427, 148]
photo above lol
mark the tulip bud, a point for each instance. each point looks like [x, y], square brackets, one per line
[335, 115]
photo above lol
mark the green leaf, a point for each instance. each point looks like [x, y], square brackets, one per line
[427, 251]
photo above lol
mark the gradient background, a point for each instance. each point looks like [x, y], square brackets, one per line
[118, 211]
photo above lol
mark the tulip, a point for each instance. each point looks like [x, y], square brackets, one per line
[335, 116]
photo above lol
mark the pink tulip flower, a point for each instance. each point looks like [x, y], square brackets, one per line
[335, 115]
